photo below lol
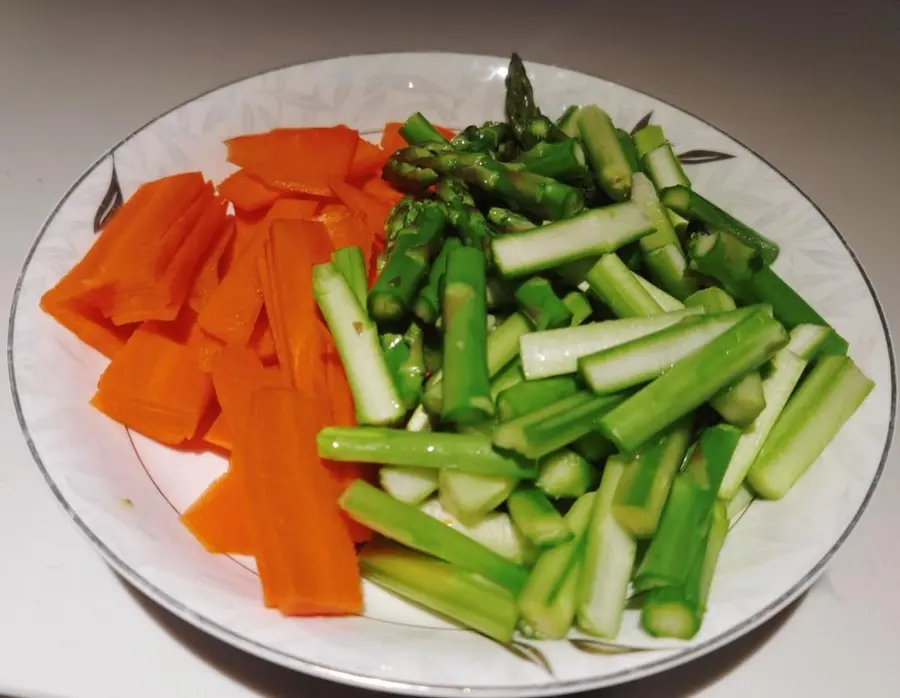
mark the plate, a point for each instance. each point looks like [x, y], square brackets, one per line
[125, 491]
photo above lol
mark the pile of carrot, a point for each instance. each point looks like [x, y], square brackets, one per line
[201, 297]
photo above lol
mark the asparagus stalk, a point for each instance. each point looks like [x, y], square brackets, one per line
[562, 160]
[537, 518]
[579, 306]
[428, 304]
[741, 402]
[608, 561]
[415, 529]
[667, 302]
[593, 447]
[592, 233]
[472, 226]
[690, 204]
[350, 263]
[521, 108]
[417, 129]
[556, 352]
[669, 268]
[540, 304]
[604, 151]
[712, 300]
[419, 420]
[507, 377]
[508, 221]
[647, 480]
[471, 497]
[807, 341]
[564, 474]
[615, 284]
[405, 359]
[493, 137]
[547, 603]
[356, 337]
[410, 485]
[470, 453]
[784, 374]
[568, 122]
[693, 381]
[644, 195]
[641, 360]
[407, 265]
[461, 596]
[831, 393]
[738, 504]
[467, 390]
[629, 150]
[529, 396]
[664, 169]
[538, 433]
[647, 139]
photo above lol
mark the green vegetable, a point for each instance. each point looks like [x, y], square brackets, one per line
[349, 261]
[564, 474]
[537, 518]
[604, 152]
[540, 304]
[417, 129]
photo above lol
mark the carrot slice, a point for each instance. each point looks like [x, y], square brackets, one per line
[246, 192]
[209, 274]
[262, 341]
[218, 518]
[367, 160]
[219, 434]
[346, 229]
[86, 323]
[380, 189]
[375, 211]
[236, 373]
[306, 560]
[296, 160]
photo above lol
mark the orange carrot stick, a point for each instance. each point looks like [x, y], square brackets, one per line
[375, 211]
[347, 229]
[236, 373]
[246, 192]
[262, 341]
[209, 274]
[218, 518]
[219, 434]
[380, 189]
[367, 160]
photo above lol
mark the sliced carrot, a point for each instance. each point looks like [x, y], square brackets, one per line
[347, 229]
[380, 189]
[219, 434]
[236, 373]
[262, 341]
[306, 560]
[86, 322]
[208, 276]
[247, 192]
[375, 211]
[207, 349]
[296, 160]
[367, 160]
[218, 518]
[153, 385]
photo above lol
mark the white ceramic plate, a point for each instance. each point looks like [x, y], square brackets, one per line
[125, 492]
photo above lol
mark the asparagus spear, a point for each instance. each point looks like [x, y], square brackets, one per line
[470, 497]
[608, 561]
[604, 151]
[593, 233]
[738, 504]
[467, 391]
[349, 261]
[508, 221]
[616, 285]
[579, 306]
[667, 302]
[568, 121]
[529, 396]
[471, 453]
[537, 518]
[664, 169]
[411, 485]
[417, 129]
[520, 105]
[648, 138]
[564, 473]
[562, 160]
[356, 337]
[712, 300]
[540, 304]
[493, 137]
[463, 215]
[807, 341]
[628, 150]
[741, 402]
[692, 381]
[428, 304]
[669, 268]
[509, 376]
[407, 265]
[831, 393]
[406, 362]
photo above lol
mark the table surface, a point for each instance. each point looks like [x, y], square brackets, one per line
[816, 93]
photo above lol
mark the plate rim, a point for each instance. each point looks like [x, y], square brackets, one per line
[673, 658]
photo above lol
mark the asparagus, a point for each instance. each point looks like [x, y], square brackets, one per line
[398, 218]
[501, 295]
[405, 359]
[547, 602]
[471, 497]
[540, 304]
[492, 137]
[463, 597]
[667, 302]
[641, 360]
[825, 400]
[644, 195]
[604, 151]
[669, 268]
[356, 338]
[609, 558]
[629, 150]
[417, 129]
[419, 420]
[592, 233]
[664, 169]
[568, 122]
[529, 396]
[807, 341]
[690, 204]
[536, 518]
[556, 352]
[741, 402]
[463, 215]
[467, 392]
[712, 300]
[415, 529]
[428, 304]
[508, 221]
[538, 433]
[564, 473]
[411, 485]
[784, 374]
[648, 138]
[508, 377]
[579, 306]
[692, 381]
[738, 504]
[615, 284]
[645, 485]
[520, 105]
[593, 446]
[350, 263]
[407, 265]
[562, 160]
[470, 453]
[495, 531]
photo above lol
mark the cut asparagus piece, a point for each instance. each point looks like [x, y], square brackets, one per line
[410, 485]
[565, 474]
[419, 420]
[616, 285]
[406, 361]
[529, 396]
[492, 137]
[784, 374]
[463, 597]
[629, 150]
[712, 299]
[540, 304]
[825, 400]
[593, 447]
[608, 561]
[678, 611]
[547, 603]
[508, 221]
[508, 377]
[495, 531]
[537, 518]
[664, 169]
[669, 268]
[808, 340]
[466, 395]
[557, 425]
[688, 203]
[643, 193]
[693, 381]
[415, 529]
[356, 339]
[568, 122]
[645, 485]
[561, 160]
[556, 352]
[417, 129]
[462, 213]
[741, 402]
[580, 307]
[667, 302]
[683, 529]
[471, 497]
[648, 138]
[738, 504]
[641, 360]
[604, 151]
[349, 261]
[588, 234]
[428, 303]
[470, 453]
